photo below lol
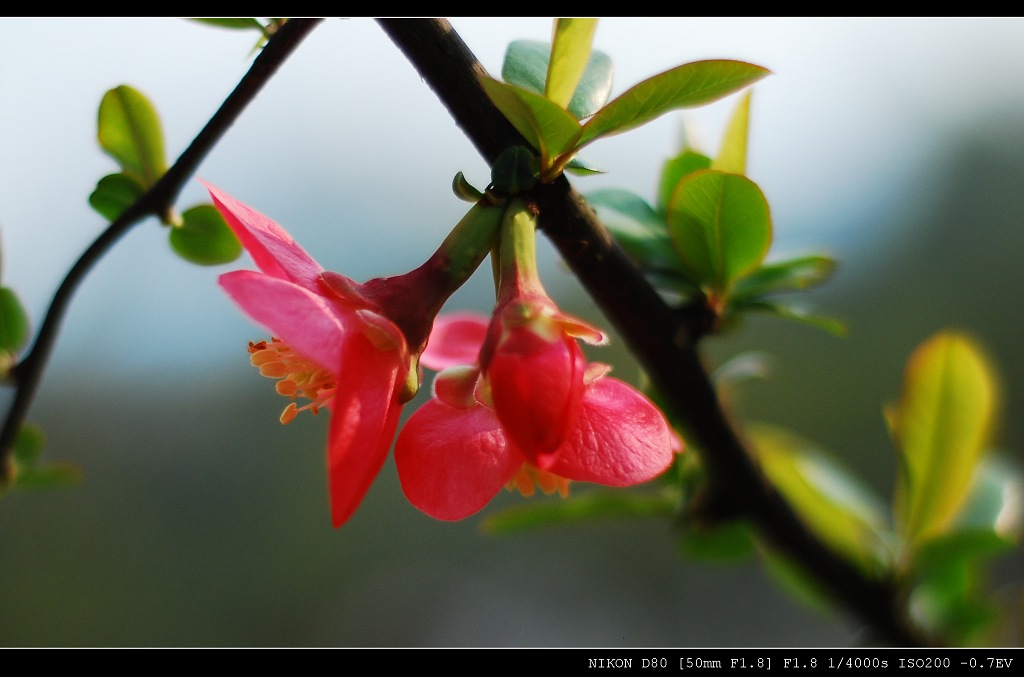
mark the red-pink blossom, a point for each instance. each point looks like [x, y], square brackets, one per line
[459, 449]
[335, 343]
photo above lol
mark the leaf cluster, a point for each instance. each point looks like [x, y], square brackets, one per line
[129, 131]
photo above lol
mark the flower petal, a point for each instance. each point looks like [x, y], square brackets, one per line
[310, 324]
[364, 417]
[451, 462]
[537, 386]
[455, 340]
[271, 247]
[620, 438]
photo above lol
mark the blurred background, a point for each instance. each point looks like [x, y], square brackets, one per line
[893, 144]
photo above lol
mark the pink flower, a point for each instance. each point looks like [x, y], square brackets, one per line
[336, 343]
[530, 410]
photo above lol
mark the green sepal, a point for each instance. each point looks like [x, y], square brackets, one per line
[515, 171]
[464, 190]
[204, 237]
[686, 86]
[129, 131]
[14, 324]
[586, 507]
[114, 193]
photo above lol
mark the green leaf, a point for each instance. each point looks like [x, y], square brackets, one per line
[52, 476]
[28, 445]
[949, 572]
[581, 168]
[595, 86]
[234, 23]
[582, 508]
[526, 66]
[547, 126]
[686, 86]
[637, 228]
[570, 51]
[720, 543]
[994, 500]
[130, 132]
[720, 226]
[204, 237]
[790, 312]
[832, 503]
[13, 322]
[675, 170]
[782, 276]
[941, 425]
[114, 193]
[732, 156]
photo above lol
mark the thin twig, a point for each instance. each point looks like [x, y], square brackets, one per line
[658, 335]
[28, 373]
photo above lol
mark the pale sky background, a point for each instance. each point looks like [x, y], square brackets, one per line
[347, 140]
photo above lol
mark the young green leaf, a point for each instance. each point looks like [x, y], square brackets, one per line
[789, 312]
[595, 87]
[526, 66]
[114, 193]
[833, 504]
[547, 126]
[51, 476]
[570, 50]
[720, 226]
[994, 502]
[638, 229]
[732, 156]
[783, 276]
[686, 86]
[130, 132]
[726, 542]
[580, 168]
[13, 322]
[675, 170]
[235, 23]
[941, 425]
[580, 508]
[204, 237]
[28, 445]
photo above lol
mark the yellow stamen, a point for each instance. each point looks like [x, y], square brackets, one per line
[298, 376]
[529, 478]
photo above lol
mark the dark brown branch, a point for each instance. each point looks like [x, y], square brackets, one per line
[657, 335]
[158, 200]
